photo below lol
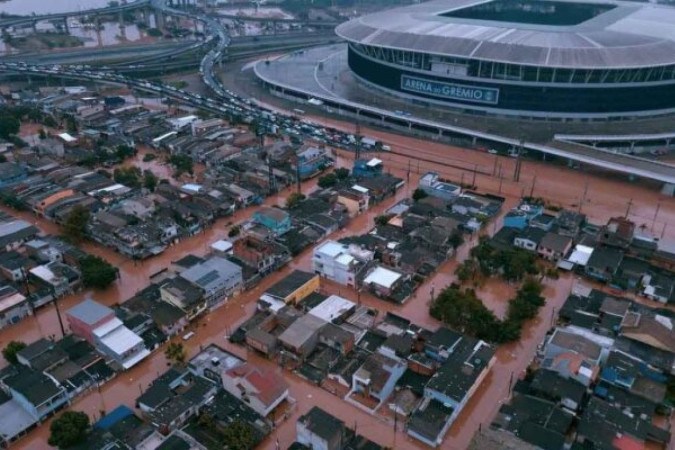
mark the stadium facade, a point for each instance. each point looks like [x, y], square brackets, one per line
[529, 58]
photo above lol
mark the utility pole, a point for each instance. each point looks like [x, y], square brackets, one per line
[58, 312]
[656, 213]
[628, 207]
[534, 181]
[357, 131]
[583, 196]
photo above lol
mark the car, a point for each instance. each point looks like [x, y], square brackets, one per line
[492, 151]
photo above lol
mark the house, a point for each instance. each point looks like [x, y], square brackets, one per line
[38, 394]
[574, 366]
[659, 287]
[263, 390]
[554, 246]
[543, 221]
[434, 186]
[570, 222]
[377, 376]
[87, 316]
[276, 220]
[339, 262]
[654, 330]
[261, 255]
[186, 403]
[217, 277]
[11, 173]
[294, 287]
[319, 430]
[355, 200]
[604, 426]
[59, 278]
[604, 263]
[458, 378]
[14, 306]
[618, 233]
[629, 374]
[184, 295]
[98, 325]
[563, 341]
[302, 336]
[13, 233]
[309, 161]
[334, 309]
[367, 168]
[521, 216]
[568, 392]
[383, 281]
[211, 362]
[529, 239]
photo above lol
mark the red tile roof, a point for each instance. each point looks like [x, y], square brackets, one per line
[268, 385]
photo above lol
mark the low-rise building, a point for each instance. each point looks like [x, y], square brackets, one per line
[14, 306]
[554, 246]
[276, 220]
[377, 376]
[217, 277]
[263, 390]
[434, 186]
[339, 262]
[38, 394]
[383, 281]
[294, 287]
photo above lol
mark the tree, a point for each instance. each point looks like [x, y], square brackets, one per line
[149, 180]
[123, 151]
[9, 125]
[97, 273]
[419, 194]
[328, 180]
[42, 134]
[456, 239]
[154, 32]
[239, 436]
[128, 176]
[467, 270]
[69, 429]
[175, 353]
[294, 200]
[181, 164]
[342, 173]
[75, 225]
[10, 351]
[71, 124]
[382, 219]
[234, 231]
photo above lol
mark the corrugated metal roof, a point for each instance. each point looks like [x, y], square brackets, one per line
[630, 35]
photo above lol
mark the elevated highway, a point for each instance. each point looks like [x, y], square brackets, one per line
[22, 20]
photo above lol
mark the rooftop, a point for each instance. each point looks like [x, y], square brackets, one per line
[289, 284]
[382, 277]
[90, 312]
[549, 33]
[332, 308]
[213, 358]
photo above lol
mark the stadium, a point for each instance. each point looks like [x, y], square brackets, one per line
[526, 58]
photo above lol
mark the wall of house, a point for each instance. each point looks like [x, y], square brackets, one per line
[304, 290]
[85, 330]
[15, 314]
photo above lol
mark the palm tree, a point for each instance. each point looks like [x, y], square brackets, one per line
[175, 353]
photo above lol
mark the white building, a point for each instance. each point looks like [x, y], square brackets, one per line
[14, 306]
[339, 262]
[333, 308]
[120, 343]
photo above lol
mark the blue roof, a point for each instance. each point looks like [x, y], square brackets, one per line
[114, 416]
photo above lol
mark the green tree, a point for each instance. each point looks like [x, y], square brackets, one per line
[69, 429]
[42, 134]
[154, 32]
[75, 225]
[234, 231]
[294, 199]
[128, 176]
[71, 124]
[456, 239]
[149, 157]
[10, 351]
[382, 219]
[97, 272]
[239, 436]
[182, 164]
[419, 194]
[123, 151]
[11, 200]
[175, 353]
[149, 180]
[342, 173]
[467, 270]
[328, 180]
[9, 125]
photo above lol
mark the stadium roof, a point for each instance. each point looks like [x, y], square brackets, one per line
[629, 35]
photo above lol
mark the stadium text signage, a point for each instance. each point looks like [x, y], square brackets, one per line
[448, 90]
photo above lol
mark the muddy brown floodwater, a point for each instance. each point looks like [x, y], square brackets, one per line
[605, 198]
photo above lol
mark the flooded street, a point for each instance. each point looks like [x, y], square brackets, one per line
[605, 197]
[28, 7]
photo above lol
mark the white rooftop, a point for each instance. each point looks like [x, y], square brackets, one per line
[44, 273]
[222, 246]
[360, 188]
[121, 340]
[66, 137]
[581, 255]
[332, 308]
[107, 327]
[11, 301]
[331, 249]
[383, 277]
[345, 259]
[374, 162]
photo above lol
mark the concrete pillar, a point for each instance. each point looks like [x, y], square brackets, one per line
[159, 19]
[66, 28]
[668, 189]
[35, 26]
[123, 28]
